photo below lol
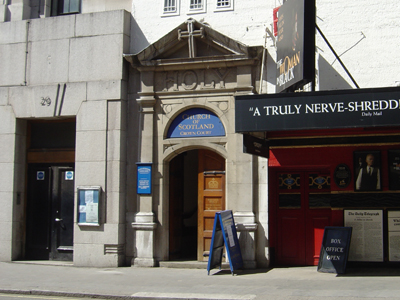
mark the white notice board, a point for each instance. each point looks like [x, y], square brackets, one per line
[394, 235]
[89, 206]
[367, 237]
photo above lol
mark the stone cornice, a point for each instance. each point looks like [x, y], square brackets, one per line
[144, 226]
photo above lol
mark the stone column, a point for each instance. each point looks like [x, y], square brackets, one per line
[242, 181]
[263, 255]
[246, 228]
[12, 185]
[20, 10]
[144, 224]
[3, 12]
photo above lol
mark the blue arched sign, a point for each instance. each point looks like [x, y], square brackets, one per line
[196, 122]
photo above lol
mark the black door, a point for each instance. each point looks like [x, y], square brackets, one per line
[50, 211]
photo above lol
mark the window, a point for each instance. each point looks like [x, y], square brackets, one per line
[224, 5]
[64, 7]
[197, 7]
[169, 6]
[196, 4]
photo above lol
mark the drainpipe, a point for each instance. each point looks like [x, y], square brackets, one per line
[26, 50]
[263, 61]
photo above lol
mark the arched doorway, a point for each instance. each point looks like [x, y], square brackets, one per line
[196, 193]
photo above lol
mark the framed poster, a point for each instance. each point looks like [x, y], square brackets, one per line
[394, 169]
[367, 171]
[88, 206]
[342, 176]
[367, 236]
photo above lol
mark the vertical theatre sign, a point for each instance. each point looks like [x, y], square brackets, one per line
[295, 44]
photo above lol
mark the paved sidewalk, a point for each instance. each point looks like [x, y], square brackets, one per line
[167, 283]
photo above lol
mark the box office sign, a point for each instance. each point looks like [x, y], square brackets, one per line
[196, 122]
[318, 110]
[334, 250]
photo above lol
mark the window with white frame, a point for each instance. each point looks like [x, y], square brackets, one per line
[223, 3]
[196, 4]
[169, 6]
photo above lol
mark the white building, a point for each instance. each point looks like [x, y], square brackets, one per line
[90, 91]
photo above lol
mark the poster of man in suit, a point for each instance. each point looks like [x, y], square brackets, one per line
[367, 171]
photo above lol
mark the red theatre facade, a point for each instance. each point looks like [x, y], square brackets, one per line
[322, 147]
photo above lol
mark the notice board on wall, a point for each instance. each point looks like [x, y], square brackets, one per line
[89, 205]
[394, 235]
[224, 234]
[144, 178]
[367, 237]
[334, 250]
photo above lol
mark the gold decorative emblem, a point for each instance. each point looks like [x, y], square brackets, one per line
[318, 181]
[289, 181]
[213, 184]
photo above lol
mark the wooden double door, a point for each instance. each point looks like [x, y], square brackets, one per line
[302, 200]
[197, 192]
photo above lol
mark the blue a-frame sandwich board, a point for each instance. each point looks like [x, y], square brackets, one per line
[224, 234]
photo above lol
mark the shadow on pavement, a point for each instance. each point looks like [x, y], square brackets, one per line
[225, 272]
[360, 271]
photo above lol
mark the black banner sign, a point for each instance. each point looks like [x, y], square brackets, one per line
[318, 110]
[334, 250]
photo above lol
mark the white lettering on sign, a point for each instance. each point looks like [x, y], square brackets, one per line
[334, 249]
[336, 241]
[332, 257]
[366, 108]
[286, 68]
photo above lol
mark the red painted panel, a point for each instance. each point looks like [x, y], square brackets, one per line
[292, 241]
[315, 229]
[316, 158]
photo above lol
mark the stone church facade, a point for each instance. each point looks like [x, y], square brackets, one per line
[193, 67]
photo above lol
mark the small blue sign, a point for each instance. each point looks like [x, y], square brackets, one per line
[196, 122]
[40, 175]
[69, 175]
[144, 178]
